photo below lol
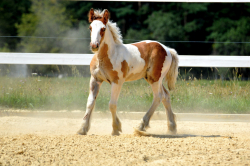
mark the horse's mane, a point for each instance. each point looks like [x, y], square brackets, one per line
[115, 31]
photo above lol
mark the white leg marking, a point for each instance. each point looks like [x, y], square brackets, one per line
[116, 124]
[93, 92]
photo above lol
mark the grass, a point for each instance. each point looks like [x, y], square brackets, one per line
[70, 93]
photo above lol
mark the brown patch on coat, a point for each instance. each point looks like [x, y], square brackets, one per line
[102, 31]
[154, 55]
[93, 63]
[158, 55]
[124, 68]
[106, 65]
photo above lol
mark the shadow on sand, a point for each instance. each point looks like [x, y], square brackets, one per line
[181, 136]
[142, 133]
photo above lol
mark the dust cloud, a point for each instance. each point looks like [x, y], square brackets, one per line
[65, 122]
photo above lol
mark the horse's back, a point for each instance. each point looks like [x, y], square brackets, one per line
[157, 59]
[146, 59]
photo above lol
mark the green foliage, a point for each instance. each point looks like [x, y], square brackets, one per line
[193, 8]
[165, 26]
[133, 35]
[229, 30]
[10, 14]
[39, 23]
[124, 11]
[227, 22]
[170, 22]
[5, 48]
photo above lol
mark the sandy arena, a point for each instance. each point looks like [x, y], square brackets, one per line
[50, 139]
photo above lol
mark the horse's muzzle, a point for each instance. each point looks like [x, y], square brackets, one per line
[94, 45]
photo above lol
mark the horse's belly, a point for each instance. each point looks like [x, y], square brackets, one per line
[136, 73]
[134, 77]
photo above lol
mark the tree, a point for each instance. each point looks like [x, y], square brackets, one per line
[10, 14]
[171, 22]
[48, 28]
[231, 31]
[47, 19]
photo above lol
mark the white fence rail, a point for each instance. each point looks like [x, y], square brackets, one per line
[84, 59]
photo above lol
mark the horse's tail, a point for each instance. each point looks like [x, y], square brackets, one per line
[172, 74]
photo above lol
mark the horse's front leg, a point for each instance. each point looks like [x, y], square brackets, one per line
[94, 87]
[116, 124]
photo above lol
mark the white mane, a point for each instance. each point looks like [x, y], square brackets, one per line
[115, 31]
[98, 13]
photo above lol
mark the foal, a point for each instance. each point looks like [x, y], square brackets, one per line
[116, 63]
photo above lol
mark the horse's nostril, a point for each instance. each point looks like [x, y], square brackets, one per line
[94, 45]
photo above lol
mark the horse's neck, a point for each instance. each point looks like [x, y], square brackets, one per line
[108, 45]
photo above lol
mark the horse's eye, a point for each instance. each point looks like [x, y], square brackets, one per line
[90, 28]
[103, 29]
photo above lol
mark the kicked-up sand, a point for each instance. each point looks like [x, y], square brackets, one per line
[52, 140]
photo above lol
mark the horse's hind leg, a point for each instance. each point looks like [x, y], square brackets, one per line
[157, 91]
[116, 124]
[94, 87]
[171, 116]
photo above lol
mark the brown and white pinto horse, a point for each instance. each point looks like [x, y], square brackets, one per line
[115, 63]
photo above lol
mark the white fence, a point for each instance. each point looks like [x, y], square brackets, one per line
[84, 59]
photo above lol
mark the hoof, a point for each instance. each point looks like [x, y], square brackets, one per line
[138, 132]
[115, 133]
[172, 132]
[82, 132]
[172, 128]
[142, 126]
[117, 127]
[84, 128]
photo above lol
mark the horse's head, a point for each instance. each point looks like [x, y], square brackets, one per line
[97, 27]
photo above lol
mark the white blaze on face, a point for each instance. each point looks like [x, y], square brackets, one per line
[95, 32]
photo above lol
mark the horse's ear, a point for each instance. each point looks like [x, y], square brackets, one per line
[91, 15]
[105, 17]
